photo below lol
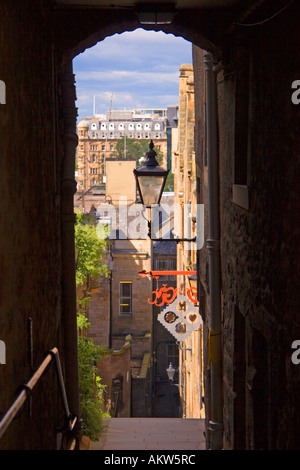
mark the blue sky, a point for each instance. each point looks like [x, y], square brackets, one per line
[130, 70]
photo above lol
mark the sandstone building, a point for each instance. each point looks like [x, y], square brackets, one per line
[98, 136]
[191, 365]
[120, 315]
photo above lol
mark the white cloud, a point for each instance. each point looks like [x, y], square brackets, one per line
[140, 68]
[130, 76]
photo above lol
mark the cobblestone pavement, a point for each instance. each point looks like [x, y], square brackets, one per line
[151, 434]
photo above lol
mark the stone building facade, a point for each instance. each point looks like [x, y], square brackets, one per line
[119, 313]
[255, 198]
[98, 136]
[185, 200]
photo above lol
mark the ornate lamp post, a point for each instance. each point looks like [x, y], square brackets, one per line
[151, 179]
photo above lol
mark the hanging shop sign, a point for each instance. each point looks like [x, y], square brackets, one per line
[179, 314]
[180, 318]
[166, 295]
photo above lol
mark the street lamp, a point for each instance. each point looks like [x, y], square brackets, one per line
[171, 372]
[151, 179]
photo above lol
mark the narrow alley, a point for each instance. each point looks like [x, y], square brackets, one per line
[218, 333]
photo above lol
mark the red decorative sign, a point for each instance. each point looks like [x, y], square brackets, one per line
[169, 294]
[156, 274]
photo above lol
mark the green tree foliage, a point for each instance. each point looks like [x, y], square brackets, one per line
[169, 186]
[135, 149]
[90, 250]
[90, 386]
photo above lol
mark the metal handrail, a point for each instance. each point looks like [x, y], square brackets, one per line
[25, 392]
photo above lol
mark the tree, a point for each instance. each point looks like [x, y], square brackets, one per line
[90, 250]
[135, 149]
[169, 186]
[90, 386]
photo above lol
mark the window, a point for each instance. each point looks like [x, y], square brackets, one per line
[131, 127]
[157, 127]
[166, 265]
[103, 126]
[162, 265]
[172, 354]
[94, 147]
[94, 126]
[111, 148]
[126, 298]
[173, 264]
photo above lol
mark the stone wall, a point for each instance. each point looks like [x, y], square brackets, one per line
[258, 141]
[130, 257]
[99, 314]
[30, 258]
[117, 365]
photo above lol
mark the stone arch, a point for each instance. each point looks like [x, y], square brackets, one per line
[84, 30]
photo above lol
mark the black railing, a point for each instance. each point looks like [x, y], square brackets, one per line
[70, 429]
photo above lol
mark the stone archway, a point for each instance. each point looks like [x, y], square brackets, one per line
[83, 30]
[88, 34]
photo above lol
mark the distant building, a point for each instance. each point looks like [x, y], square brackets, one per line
[184, 167]
[98, 136]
